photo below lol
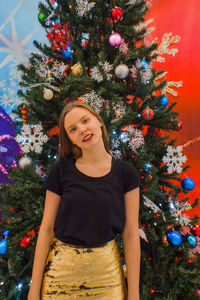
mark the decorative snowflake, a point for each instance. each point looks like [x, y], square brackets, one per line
[152, 206]
[96, 72]
[123, 47]
[176, 209]
[47, 67]
[32, 138]
[94, 100]
[174, 159]
[120, 110]
[116, 153]
[143, 235]
[134, 137]
[10, 101]
[83, 6]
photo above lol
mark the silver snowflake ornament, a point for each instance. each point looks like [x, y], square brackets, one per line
[135, 138]
[32, 138]
[96, 72]
[94, 100]
[174, 159]
[83, 6]
[48, 68]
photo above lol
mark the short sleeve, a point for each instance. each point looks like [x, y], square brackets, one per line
[53, 182]
[131, 177]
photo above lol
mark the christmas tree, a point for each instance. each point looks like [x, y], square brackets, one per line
[98, 54]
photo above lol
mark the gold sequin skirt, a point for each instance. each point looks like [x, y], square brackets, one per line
[78, 272]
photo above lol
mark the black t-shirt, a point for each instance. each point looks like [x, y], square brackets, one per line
[91, 210]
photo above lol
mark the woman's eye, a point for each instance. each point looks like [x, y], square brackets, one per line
[72, 129]
[85, 121]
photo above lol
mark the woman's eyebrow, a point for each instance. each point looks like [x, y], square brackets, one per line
[79, 120]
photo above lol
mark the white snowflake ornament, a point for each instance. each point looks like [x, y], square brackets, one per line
[94, 100]
[83, 6]
[32, 138]
[174, 159]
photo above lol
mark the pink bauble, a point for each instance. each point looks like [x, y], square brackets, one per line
[115, 39]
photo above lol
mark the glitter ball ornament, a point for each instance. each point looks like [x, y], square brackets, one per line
[164, 101]
[77, 69]
[25, 161]
[192, 241]
[115, 39]
[3, 246]
[174, 238]
[148, 114]
[25, 242]
[117, 14]
[67, 52]
[47, 94]
[188, 184]
[180, 125]
[42, 17]
[144, 64]
[147, 167]
[121, 71]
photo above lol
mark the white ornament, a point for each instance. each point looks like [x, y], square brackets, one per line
[174, 159]
[96, 72]
[177, 208]
[120, 110]
[143, 235]
[47, 69]
[94, 100]
[133, 137]
[121, 71]
[83, 6]
[31, 138]
[47, 94]
[25, 161]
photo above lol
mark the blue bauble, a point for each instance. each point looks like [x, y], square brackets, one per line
[174, 238]
[3, 246]
[192, 241]
[6, 233]
[67, 52]
[147, 167]
[56, 21]
[164, 101]
[144, 64]
[188, 184]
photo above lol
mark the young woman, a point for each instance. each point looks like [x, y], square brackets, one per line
[90, 198]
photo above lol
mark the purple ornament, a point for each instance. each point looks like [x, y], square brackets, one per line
[115, 39]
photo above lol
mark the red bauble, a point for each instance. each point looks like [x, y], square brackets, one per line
[117, 14]
[180, 125]
[148, 113]
[25, 242]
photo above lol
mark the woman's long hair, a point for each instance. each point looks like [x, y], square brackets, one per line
[66, 148]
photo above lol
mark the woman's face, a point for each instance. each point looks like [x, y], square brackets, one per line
[82, 127]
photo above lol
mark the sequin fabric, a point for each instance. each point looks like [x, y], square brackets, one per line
[77, 272]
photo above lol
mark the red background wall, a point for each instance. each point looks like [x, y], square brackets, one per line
[182, 17]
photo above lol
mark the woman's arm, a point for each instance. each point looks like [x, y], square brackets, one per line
[45, 237]
[131, 240]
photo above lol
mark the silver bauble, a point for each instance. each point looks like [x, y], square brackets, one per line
[47, 94]
[121, 71]
[25, 161]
